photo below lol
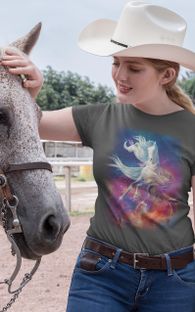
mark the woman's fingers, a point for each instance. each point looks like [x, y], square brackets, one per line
[26, 70]
[18, 63]
[12, 51]
[13, 57]
[15, 62]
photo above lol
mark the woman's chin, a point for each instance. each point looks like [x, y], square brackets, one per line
[123, 98]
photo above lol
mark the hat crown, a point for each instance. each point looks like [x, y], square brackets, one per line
[141, 23]
[143, 30]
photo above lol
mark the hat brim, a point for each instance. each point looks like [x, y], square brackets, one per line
[95, 39]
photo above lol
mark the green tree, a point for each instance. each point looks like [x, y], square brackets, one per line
[62, 89]
[187, 83]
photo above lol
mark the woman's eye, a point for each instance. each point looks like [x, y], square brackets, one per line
[115, 64]
[135, 70]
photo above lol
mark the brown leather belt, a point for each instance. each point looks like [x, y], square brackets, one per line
[140, 260]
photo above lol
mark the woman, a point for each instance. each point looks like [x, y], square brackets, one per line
[138, 254]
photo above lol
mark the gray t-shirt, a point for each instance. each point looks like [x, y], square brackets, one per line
[143, 165]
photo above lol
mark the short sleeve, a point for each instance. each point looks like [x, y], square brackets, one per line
[193, 169]
[85, 118]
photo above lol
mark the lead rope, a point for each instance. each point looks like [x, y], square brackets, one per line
[10, 201]
[27, 277]
[15, 251]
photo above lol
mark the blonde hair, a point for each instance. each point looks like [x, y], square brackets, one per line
[174, 92]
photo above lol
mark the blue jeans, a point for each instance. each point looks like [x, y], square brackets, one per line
[116, 287]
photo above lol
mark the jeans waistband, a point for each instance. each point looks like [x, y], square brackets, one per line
[175, 252]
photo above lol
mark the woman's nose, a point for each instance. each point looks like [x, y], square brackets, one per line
[121, 73]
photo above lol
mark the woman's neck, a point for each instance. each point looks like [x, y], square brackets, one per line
[159, 106]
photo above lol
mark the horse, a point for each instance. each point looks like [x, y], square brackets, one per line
[31, 208]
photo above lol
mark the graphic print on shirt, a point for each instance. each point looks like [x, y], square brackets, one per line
[144, 179]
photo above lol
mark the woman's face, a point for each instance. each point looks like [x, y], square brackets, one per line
[136, 80]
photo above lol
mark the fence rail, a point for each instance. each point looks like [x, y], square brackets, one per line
[67, 166]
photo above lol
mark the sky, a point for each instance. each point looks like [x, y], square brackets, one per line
[62, 21]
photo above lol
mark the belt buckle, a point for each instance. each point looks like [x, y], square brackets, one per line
[135, 260]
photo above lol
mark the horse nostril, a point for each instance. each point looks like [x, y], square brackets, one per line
[51, 228]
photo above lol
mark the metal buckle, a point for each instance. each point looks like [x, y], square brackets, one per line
[135, 260]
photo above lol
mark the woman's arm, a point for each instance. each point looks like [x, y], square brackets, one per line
[58, 125]
[54, 125]
[193, 193]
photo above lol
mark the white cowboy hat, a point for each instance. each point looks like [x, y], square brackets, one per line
[143, 30]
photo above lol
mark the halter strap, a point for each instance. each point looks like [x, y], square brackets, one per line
[29, 166]
[5, 189]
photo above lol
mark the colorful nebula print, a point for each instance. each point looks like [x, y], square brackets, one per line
[144, 178]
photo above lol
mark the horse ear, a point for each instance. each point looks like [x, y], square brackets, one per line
[26, 43]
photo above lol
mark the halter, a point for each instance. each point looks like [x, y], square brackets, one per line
[10, 202]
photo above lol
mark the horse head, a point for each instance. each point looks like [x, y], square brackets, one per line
[40, 210]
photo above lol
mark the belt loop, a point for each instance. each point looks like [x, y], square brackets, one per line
[83, 244]
[115, 258]
[169, 266]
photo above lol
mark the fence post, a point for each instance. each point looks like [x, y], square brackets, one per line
[67, 171]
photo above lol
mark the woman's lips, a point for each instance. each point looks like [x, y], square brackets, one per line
[124, 89]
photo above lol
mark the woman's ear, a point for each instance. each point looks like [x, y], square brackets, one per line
[167, 76]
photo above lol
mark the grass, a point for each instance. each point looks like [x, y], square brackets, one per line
[76, 213]
[73, 179]
[58, 178]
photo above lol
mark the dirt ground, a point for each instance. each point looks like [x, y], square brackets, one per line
[48, 290]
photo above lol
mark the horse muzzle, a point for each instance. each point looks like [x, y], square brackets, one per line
[45, 237]
[35, 236]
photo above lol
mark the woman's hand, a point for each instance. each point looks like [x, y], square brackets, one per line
[18, 63]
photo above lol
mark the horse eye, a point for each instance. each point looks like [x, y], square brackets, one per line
[4, 117]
